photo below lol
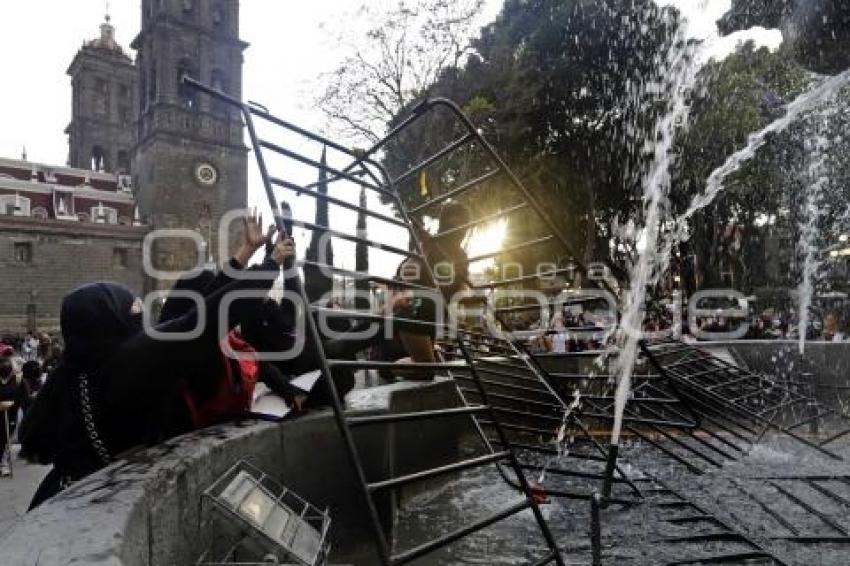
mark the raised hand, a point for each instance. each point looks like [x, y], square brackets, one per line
[253, 223]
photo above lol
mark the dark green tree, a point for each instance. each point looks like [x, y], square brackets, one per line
[554, 85]
[737, 97]
[361, 254]
[317, 283]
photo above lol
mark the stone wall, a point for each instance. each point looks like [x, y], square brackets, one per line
[828, 362]
[64, 255]
[144, 510]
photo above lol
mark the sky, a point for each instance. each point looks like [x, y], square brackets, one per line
[702, 15]
[288, 54]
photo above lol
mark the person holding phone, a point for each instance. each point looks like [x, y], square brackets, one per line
[413, 342]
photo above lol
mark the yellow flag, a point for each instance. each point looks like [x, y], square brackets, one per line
[423, 183]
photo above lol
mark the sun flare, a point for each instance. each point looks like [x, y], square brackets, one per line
[484, 240]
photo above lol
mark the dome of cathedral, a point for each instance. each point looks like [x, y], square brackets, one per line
[107, 38]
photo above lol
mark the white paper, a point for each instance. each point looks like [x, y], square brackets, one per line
[306, 381]
[266, 403]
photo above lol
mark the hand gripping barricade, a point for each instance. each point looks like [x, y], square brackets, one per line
[366, 173]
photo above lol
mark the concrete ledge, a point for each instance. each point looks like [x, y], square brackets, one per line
[829, 362]
[144, 510]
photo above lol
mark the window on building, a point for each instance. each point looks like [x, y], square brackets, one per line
[124, 114]
[186, 94]
[218, 80]
[119, 257]
[101, 98]
[152, 85]
[219, 17]
[123, 161]
[14, 205]
[63, 205]
[98, 159]
[23, 252]
[124, 90]
[103, 214]
[187, 6]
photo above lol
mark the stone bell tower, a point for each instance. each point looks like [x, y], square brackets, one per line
[102, 132]
[190, 160]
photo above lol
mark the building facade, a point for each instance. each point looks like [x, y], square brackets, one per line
[61, 227]
[144, 153]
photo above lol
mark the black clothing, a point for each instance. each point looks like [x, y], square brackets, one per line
[14, 390]
[450, 276]
[31, 374]
[202, 283]
[273, 330]
[130, 376]
[153, 368]
[17, 392]
[94, 319]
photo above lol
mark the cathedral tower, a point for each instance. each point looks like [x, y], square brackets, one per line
[102, 132]
[190, 161]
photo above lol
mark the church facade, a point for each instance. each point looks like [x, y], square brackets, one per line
[145, 154]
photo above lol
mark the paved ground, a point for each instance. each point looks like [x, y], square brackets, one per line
[16, 492]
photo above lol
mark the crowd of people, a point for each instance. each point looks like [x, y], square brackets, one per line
[25, 362]
[830, 326]
[114, 387]
[570, 332]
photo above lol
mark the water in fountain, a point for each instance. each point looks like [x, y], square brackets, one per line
[821, 92]
[681, 67]
[654, 258]
[812, 212]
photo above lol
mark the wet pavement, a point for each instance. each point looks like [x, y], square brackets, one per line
[16, 491]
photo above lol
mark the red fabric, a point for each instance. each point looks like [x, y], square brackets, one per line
[235, 392]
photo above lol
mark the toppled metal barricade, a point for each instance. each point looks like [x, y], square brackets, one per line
[541, 429]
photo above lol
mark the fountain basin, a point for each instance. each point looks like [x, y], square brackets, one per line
[828, 362]
[144, 510]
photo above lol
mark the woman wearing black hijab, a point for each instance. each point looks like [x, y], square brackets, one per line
[107, 394]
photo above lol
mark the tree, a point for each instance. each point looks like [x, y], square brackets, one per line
[553, 85]
[736, 98]
[361, 254]
[404, 50]
[318, 283]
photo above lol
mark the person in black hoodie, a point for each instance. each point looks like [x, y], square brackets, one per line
[270, 328]
[220, 390]
[108, 393]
